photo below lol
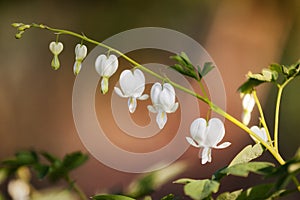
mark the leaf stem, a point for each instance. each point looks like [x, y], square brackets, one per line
[262, 117]
[75, 187]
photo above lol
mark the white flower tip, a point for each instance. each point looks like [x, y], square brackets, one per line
[246, 117]
[104, 85]
[161, 119]
[77, 67]
[151, 109]
[132, 104]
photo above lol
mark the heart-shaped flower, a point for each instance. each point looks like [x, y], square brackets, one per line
[133, 86]
[106, 67]
[56, 48]
[163, 100]
[207, 135]
[80, 54]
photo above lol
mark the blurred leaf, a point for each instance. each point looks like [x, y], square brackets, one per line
[50, 157]
[41, 170]
[168, 197]
[247, 154]
[256, 192]
[229, 195]
[244, 169]
[248, 86]
[201, 189]
[3, 174]
[149, 182]
[208, 66]
[74, 160]
[111, 197]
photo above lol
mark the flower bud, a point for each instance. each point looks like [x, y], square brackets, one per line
[80, 54]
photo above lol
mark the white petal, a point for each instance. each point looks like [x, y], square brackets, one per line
[119, 92]
[56, 47]
[197, 130]
[125, 82]
[174, 108]
[151, 109]
[248, 102]
[77, 67]
[143, 97]
[132, 104]
[167, 97]
[206, 155]
[155, 91]
[161, 119]
[246, 117]
[215, 132]
[261, 132]
[99, 64]
[139, 80]
[192, 142]
[80, 51]
[106, 66]
[223, 145]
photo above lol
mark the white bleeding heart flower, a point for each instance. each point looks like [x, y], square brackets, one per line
[106, 66]
[248, 105]
[19, 189]
[260, 132]
[56, 48]
[163, 100]
[132, 85]
[206, 135]
[80, 54]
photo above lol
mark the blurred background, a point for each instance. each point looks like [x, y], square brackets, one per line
[36, 102]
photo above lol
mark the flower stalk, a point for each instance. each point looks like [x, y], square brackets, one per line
[215, 108]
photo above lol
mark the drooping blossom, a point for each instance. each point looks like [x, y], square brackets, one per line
[248, 105]
[56, 48]
[106, 66]
[132, 85]
[80, 54]
[163, 100]
[206, 136]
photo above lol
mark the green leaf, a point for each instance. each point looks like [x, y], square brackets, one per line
[3, 174]
[208, 66]
[41, 170]
[247, 154]
[201, 189]
[244, 169]
[256, 192]
[74, 160]
[229, 195]
[50, 158]
[184, 181]
[168, 197]
[26, 157]
[111, 197]
[249, 85]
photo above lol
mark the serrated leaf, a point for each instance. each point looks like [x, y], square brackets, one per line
[111, 197]
[247, 154]
[244, 169]
[201, 189]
